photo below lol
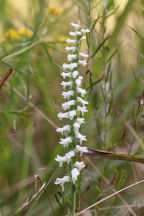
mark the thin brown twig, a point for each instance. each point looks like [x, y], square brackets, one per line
[108, 182]
[5, 77]
[38, 178]
[36, 190]
[108, 197]
[134, 205]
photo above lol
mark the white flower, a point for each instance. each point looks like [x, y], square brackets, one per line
[65, 84]
[79, 99]
[63, 129]
[85, 30]
[76, 126]
[80, 136]
[68, 156]
[75, 33]
[70, 66]
[79, 165]
[67, 94]
[80, 120]
[62, 115]
[70, 48]
[79, 81]
[75, 173]
[75, 74]
[66, 141]
[70, 57]
[71, 41]
[81, 91]
[60, 160]
[67, 105]
[83, 55]
[62, 181]
[71, 114]
[82, 109]
[80, 149]
[83, 62]
[64, 75]
[75, 106]
[83, 38]
[77, 26]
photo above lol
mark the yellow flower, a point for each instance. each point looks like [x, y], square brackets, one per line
[62, 38]
[25, 32]
[12, 34]
[17, 34]
[54, 10]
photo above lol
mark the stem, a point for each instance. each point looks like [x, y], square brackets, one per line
[73, 200]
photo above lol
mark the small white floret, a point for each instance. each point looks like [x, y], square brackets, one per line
[72, 34]
[83, 38]
[69, 156]
[70, 48]
[75, 173]
[65, 66]
[75, 74]
[83, 55]
[65, 75]
[83, 62]
[75, 33]
[77, 26]
[79, 99]
[60, 160]
[66, 128]
[70, 41]
[62, 181]
[82, 109]
[81, 149]
[79, 81]
[72, 114]
[81, 137]
[62, 115]
[67, 94]
[68, 104]
[73, 65]
[80, 120]
[70, 57]
[85, 30]
[65, 84]
[76, 126]
[66, 141]
[81, 91]
[70, 66]
[79, 165]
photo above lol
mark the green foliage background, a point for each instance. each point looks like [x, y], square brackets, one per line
[30, 100]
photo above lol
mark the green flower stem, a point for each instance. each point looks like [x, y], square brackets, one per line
[73, 201]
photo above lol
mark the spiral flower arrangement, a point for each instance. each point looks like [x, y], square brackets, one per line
[74, 108]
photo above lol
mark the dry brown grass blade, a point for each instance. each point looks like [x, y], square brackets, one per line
[113, 189]
[108, 197]
[113, 156]
[5, 77]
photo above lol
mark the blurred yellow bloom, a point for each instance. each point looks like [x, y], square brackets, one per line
[12, 33]
[25, 32]
[63, 38]
[54, 10]
[16, 34]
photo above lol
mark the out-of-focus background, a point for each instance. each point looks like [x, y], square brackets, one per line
[32, 40]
